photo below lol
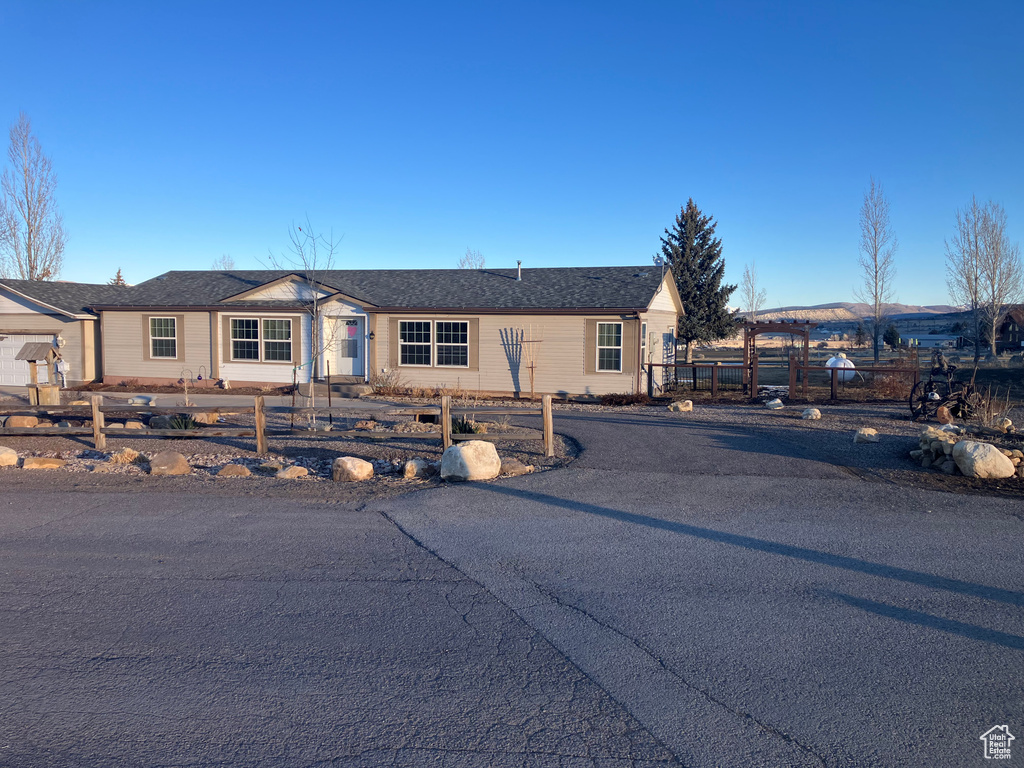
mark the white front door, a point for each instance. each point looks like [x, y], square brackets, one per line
[348, 343]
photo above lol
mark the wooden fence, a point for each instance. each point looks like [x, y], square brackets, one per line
[99, 431]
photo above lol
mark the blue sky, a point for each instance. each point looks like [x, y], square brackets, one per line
[561, 134]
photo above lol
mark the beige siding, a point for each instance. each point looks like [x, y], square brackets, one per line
[561, 356]
[125, 342]
[73, 352]
[663, 300]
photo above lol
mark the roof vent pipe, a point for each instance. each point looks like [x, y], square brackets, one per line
[519, 270]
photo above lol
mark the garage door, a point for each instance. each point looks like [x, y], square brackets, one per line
[15, 373]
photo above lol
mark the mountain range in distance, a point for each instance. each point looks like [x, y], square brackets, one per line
[847, 312]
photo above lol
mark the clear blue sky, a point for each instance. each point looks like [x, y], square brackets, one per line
[557, 133]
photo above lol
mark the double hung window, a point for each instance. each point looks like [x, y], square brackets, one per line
[609, 347]
[163, 337]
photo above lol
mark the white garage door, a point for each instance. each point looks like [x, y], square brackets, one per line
[15, 373]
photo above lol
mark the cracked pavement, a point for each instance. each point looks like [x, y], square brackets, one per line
[675, 597]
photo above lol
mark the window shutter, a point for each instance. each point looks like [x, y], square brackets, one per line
[474, 343]
[629, 352]
[590, 346]
[393, 342]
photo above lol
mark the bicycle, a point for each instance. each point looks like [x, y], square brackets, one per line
[942, 389]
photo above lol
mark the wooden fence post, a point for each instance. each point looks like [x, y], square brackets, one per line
[98, 438]
[549, 426]
[714, 382]
[835, 379]
[446, 422]
[753, 376]
[650, 379]
[792, 374]
[261, 426]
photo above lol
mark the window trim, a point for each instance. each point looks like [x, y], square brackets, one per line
[228, 348]
[152, 338]
[434, 344]
[147, 337]
[598, 347]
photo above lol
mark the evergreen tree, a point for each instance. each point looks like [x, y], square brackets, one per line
[861, 337]
[892, 336]
[117, 279]
[693, 253]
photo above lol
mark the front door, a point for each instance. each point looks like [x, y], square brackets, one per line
[349, 345]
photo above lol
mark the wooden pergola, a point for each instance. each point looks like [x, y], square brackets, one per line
[751, 330]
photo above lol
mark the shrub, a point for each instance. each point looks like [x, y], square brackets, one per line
[184, 421]
[625, 399]
[387, 382]
[463, 426]
[129, 383]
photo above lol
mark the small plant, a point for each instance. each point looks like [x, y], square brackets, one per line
[463, 426]
[625, 399]
[184, 421]
[128, 383]
[387, 382]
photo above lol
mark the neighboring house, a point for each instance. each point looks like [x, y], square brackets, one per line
[1010, 337]
[935, 341]
[53, 312]
[591, 327]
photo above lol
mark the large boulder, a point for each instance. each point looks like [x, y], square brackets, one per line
[811, 414]
[8, 457]
[681, 406]
[775, 404]
[349, 469]
[982, 460]
[169, 463]
[21, 422]
[471, 460]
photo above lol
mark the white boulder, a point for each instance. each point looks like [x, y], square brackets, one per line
[349, 469]
[982, 460]
[681, 406]
[8, 457]
[866, 435]
[471, 460]
[416, 468]
[775, 404]
[811, 414]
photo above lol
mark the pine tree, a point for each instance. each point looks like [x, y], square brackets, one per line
[117, 279]
[694, 254]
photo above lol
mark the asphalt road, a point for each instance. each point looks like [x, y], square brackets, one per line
[681, 594]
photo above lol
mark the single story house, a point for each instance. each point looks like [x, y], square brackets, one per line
[585, 330]
[57, 313]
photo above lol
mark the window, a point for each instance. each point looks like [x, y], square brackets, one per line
[245, 338]
[163, 337]
[609, 346]
[250, 335]
[643, 343]
[414, 342]
[277, 340]
[452, 344]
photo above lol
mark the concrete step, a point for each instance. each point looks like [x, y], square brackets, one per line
[341, 389]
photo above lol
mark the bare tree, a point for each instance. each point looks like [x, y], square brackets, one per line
[311, 255]
[963, 265]
[878, 246]
[223, 263]
[750, 294]
[1001, 277]
[32, 236]
[471, 260]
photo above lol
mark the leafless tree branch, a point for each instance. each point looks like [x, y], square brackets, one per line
[750, 294]
[878, 246]
[471, 260]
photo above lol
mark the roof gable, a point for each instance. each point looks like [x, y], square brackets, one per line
[290, 287]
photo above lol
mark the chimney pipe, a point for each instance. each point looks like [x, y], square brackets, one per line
[519, 270]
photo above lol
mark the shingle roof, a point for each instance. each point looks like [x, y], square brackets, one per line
[73, 298]
[545, 288]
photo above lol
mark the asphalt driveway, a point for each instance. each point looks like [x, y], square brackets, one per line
[682, 594]
[749, 604]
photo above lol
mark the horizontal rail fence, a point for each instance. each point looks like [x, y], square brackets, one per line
[693, 377]
[97, 412]
[838, 379]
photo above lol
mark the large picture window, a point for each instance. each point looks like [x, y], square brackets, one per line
[163, 337]
[255, 339]
[609, 347]
[414, 340]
